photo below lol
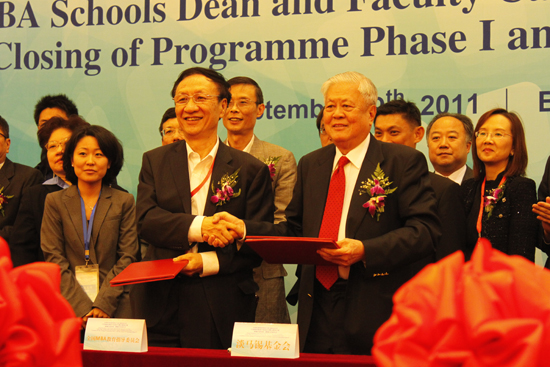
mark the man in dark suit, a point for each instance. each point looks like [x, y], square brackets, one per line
[378, 248]
[247, 104]
[399, 122]
[180, 184]
[14, 178]
[449, 137]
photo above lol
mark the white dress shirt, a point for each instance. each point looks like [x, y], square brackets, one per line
[198, 170]
[351, 170]
[457, 176]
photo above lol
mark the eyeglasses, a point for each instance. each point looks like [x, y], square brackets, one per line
[241, 103]
[497, 135]
[197, 98]
[5, 137]
[168, 133]
[55, 145]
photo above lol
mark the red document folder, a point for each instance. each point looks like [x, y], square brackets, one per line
[148, 271]
[290, 250]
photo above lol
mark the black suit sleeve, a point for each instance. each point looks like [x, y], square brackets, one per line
[25, 242]
[523, 229]
[420, 229]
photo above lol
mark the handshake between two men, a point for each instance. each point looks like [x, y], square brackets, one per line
[223, 229]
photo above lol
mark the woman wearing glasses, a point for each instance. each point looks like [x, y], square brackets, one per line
[89, 229]
[499, 199]
[25, 244]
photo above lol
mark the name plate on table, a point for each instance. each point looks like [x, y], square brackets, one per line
[265, 340]
[116, 335]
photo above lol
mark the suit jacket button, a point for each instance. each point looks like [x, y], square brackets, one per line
[309, 295]
[500, 215]
[503, 200]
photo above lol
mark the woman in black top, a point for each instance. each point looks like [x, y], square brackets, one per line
[499, 199]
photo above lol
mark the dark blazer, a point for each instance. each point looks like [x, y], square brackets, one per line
[113, 246]
[468, 175]
[513, 228]
[164, 218]
[25, 243]
[406, 232]
[14, 178]
[451, 214]
[544, 192]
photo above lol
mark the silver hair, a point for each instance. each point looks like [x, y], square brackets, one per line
[366, 86]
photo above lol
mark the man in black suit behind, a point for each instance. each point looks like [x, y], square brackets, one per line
[14, 178]
[449, 137]
[378, 249]
[399, 122]
[177, 190]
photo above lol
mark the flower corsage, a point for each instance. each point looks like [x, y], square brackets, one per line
[3, 200]
[378, 188]
[494, 197]
[225, 193]
[271, 162]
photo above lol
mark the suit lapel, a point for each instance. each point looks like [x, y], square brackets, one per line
[222, 167]
[6, 173]
[356, 211]
[102, 209]
[180, 172]
[322, 168]
[71, 199]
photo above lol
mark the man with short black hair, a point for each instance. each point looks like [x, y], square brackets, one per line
[49, 106]
[14, 178]
[180, 186]
[399, 122]
[449, 137]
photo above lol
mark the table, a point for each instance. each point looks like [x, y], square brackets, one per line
[167, 357]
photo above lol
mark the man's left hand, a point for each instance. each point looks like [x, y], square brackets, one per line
[350, 252]
[194, 266]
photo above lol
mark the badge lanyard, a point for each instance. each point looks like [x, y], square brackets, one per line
[482, 206]
[197, 189]
[87, 227]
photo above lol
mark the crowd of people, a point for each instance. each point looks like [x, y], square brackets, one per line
[198, 198]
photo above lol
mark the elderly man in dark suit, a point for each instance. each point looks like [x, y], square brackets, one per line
[247, 104]
[383, 225]
[14, 178]
[180, 184]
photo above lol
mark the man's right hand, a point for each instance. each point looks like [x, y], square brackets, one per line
[235, 227]
[222, 232]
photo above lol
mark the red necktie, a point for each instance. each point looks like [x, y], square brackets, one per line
[327, 275]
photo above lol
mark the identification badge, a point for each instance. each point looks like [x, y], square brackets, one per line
[88, 278]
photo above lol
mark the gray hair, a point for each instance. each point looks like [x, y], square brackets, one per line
[366, 86]
[468, 126]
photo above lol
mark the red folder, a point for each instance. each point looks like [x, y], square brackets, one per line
[149, 271]
[290, 250]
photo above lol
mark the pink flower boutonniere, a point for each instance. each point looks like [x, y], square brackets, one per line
[3, 200]
[378, 188]
[493, 198]
[271, 162]
[227, 182]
